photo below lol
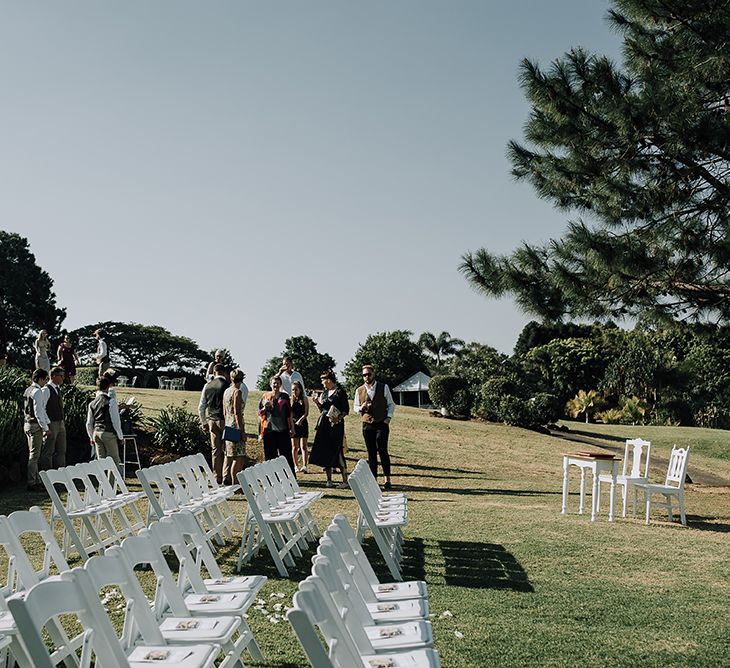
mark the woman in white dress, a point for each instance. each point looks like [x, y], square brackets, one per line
[42, 347]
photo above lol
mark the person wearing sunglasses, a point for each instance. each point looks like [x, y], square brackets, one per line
[374, 402]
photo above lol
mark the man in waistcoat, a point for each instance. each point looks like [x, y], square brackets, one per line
[53, 455]
[210, 411]
[103, 424]
[35, 424]
[375, 404]
[102, 352]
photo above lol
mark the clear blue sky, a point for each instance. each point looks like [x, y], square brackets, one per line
[242, 172]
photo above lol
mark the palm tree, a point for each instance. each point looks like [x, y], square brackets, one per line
[584, 402]
[439, 347]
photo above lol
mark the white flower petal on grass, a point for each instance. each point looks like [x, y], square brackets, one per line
[458, 634]
[280, 595]
[446, 613]
[278, 606]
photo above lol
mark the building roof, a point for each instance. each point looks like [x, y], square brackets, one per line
[417, 382]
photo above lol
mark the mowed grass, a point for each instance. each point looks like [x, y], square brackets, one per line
[525, 585]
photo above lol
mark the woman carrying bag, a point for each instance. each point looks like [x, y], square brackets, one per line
[327, 449]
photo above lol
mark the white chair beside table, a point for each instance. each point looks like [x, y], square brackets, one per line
[673, 486]
[636, 451]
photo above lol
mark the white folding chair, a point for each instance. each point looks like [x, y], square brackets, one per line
[636, 451]
[344, 539]
[310, 610]
[141, 626]
[673, 485]
[73, 594]
[199, 547]
[171, 600]
[284, 532]
[384, 523]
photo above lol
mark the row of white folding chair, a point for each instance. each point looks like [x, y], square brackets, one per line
[384, 515]
[398, 634]
[97, 501]
[22, 575]
[352, 554]
[278, 515]
[167, 494]
[192, 597]
[73, 594]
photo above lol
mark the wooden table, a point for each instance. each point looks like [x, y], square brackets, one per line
[596, 465]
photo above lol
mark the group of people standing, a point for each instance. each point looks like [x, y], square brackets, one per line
[45, 429]
[66, 357]
[283, 421]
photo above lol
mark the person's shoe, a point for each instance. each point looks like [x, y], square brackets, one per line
[329, 483]
[387, 485]
[343, 485]
[304, 469]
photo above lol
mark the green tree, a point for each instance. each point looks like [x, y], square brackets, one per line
[144, 347]
[27, 301]
[393, 354]
[306, 358]
[438, 348]
[642, 152]
[563, 366]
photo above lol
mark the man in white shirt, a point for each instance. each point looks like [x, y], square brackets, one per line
[288, 376]
[102, 352]
[103, 424]
[35, 424]
[375, 404]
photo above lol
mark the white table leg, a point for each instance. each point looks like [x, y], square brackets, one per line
[565, 486]
[582, 503]
[594, 494]
[612, 498]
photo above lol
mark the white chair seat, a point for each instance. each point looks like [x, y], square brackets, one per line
[427, 658]
[7, 623]
[391, 611]
[224, 603]
[179, 630]
[193, 656]
[237, 583]
[397, 591]
[400, 636]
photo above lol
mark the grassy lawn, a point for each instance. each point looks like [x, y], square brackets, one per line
[522, 583]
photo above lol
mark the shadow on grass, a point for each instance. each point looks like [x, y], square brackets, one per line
[466, 564]
[482, 566]
[421, 467]
[590, 434]
[470, 491]
[707, 523]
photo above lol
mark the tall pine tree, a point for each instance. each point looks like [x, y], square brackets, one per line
[641, 154]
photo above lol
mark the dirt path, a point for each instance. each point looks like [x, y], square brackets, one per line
[697, 477]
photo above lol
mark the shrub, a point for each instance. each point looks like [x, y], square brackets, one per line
[584, 403]
[76, 401]
[452, 393]
[515, 411]
[490, 397]
[611, 416]
[87, 375]
[12, 440]
[545, 408]
[178, 430]
[634, 410]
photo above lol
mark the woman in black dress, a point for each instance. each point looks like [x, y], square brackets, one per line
[330, 430]
[299, 412]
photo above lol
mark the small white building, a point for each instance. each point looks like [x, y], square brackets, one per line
[414, 391]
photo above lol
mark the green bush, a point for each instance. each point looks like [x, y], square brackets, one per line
[452, 393]
[87, 375]
[178, 430]
[515, 411]
[12, 440]
[544, 408]
[611, 416]
[490, 397]
[76, 401]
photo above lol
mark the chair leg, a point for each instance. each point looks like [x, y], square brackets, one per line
[624, 494]
[636, 494]
[681, 510]
[648, 505]
[598, 500]
[668, 497]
